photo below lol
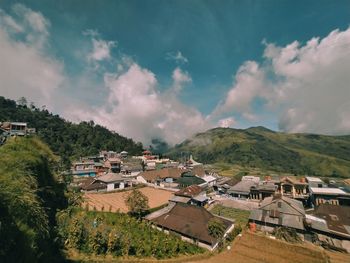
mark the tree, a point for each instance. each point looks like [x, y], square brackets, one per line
[216, 228]
[137, 202]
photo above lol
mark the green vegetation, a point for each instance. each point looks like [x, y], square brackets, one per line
[29, 198]
[137, 202]
[119, 235]
[216, 228]
[267, 150]
[240, 216]
[287, 234]
[66, 139]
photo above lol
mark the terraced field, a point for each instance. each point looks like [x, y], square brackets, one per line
[114, 202]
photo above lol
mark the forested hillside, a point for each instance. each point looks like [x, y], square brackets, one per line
[66, 139]
[30, 195]
[259, 147]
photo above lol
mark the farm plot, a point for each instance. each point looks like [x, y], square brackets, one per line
[114, 202]
[253, 248]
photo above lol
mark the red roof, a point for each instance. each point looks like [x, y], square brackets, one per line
[190, 191]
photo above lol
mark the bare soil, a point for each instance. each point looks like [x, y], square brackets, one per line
[253, 248]
[114, 202]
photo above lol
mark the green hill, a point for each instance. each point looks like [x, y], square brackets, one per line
[262, 148]
[66, 139]
[30, 195]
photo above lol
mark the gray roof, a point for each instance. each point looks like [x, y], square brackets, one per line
[243, 187]
[110, 178]
[293, 203]
[200, 198]
[180, 199]
[282, 219]
[280, 211]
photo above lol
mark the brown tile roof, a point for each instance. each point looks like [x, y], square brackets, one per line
[190, 191]
[198, 170]
[293, 180]
[162, 174]
[90, 184]
[336, 216]
[190, 221]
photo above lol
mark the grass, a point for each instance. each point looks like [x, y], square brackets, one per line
[240, 216]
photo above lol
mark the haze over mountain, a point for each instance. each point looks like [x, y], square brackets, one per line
[260, 147]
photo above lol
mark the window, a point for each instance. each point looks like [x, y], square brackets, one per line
[279, 204]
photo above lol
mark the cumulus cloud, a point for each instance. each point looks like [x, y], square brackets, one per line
[25, 67]
[177, 57]
[180, 78]
[101, 49]
[227, 122]
[308, 84]
[136, 107]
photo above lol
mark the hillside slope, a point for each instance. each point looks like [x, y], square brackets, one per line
[66, 139]
[259, 147]
[30, 195]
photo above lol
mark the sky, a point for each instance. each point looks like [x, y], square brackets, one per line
[169, 69]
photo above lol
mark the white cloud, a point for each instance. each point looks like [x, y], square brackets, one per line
[101, 49]
[34, 23]
[25, 68]
[308, 84]
[227, 122]
[177, 57]
[136, 108]
[180, 78]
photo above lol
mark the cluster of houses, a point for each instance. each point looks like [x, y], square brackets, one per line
[308, 205]
[311, 191]
[318, 213]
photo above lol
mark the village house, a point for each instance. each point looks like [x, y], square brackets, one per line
[187, 179]
[164, 177]
[331, 223]
[223, 184]
[16, 128]
[113, 164]
[189, 221]
[334, 196]
[315, 182]
[106, 182]
[193, 194]
[294, 188]
[242, 189]
[279, 210]
[84, 168]
[91, 185]
[262, 190]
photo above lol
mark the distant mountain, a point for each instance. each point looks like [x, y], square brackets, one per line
[66, 139]
[260, 147]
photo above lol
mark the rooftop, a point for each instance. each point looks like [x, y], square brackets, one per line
[331, 218]
[190, 191]
[329, 191]
[189, 220]
[162, 174]
[110, 178]
[313, 179]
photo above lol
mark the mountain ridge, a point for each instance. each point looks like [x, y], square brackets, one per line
[297, 153]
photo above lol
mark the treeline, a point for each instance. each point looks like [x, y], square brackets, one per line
[66, 139]
[119, 235]
[30, 195]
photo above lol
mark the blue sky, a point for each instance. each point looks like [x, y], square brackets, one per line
[209, 42]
